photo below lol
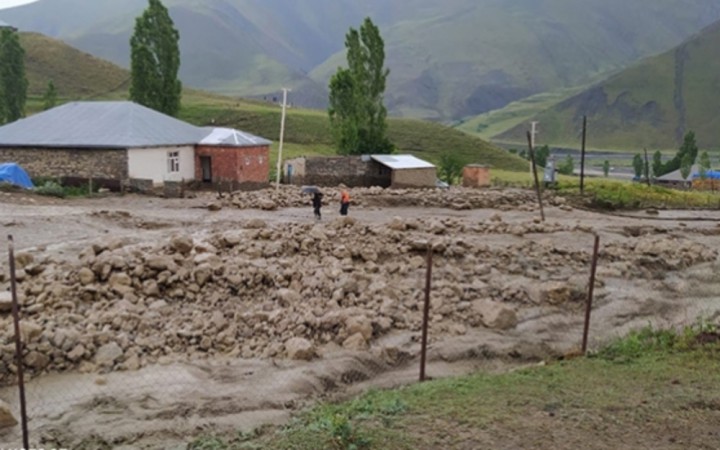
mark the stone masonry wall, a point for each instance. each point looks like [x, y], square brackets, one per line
[99, 164]
[349, 170]
[406, 178]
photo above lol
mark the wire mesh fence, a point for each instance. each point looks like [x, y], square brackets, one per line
[146, 343]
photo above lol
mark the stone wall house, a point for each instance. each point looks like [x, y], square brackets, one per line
[115, 143]
[395, 171]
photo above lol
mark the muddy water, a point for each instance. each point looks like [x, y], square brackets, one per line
[164, 406]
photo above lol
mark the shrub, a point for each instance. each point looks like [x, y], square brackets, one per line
[51, 189]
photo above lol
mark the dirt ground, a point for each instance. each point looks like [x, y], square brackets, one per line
[166, 404]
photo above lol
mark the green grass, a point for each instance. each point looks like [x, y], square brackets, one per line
[308, 131]
[487, 126]
[650, 376]
[615, 194]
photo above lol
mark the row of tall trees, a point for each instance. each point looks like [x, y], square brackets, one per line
[684, 159]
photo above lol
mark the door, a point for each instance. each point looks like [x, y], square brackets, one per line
[206, 166]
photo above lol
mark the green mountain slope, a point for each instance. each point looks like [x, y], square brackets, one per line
[649, 105]
[78, 75]
[75, 74]
[449, 59]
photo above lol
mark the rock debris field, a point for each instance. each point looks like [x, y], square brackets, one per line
[129, 285]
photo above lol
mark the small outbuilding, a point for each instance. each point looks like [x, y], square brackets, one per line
[233, 159]
[675, 179]
[396, 171]
[476, 176]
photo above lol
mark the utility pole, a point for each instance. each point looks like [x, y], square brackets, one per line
[282, 137]
[533, 132]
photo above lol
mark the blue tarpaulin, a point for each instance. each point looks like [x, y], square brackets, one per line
[710, 174]
[14, 174]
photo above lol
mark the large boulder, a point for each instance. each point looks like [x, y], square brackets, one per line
[495, 315]
[300, 348]
[7, 420]
[5, 301]
[182, 244]
[108, 354]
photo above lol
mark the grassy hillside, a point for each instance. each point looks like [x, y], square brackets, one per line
[448, 59]
[487, 126]
[75, 74]
[649, 105]
[310, 132]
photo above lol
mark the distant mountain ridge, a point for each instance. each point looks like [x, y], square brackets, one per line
[652, 104]
[448, 59]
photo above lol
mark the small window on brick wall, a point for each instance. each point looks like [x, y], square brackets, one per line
[173, 162]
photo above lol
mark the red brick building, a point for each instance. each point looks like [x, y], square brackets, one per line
[232, 159]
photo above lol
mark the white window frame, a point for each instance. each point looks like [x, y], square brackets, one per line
[173, 159]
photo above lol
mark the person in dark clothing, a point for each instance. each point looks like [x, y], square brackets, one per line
[317, 204]
[344, 202]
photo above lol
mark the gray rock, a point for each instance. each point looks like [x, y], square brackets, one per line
[86, 276]
[108, 354]
[5, 301]
[495, 315]
[355, 342]
[182, 244]
[7, 420]
[300, 348]
[36, 360]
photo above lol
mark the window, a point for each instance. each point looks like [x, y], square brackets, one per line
[173, 162]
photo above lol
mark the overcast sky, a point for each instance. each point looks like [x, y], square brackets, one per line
[11, 3]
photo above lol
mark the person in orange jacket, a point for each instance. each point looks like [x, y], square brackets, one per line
[344, 202]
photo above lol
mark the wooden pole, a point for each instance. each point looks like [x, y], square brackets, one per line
[535, 176]
[426, 312]
[591, 289]
[582, 156]
[18, 344]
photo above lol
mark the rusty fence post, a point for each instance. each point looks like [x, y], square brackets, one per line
[591, 289]
[426, 312]
[535, 176]
[18, 343]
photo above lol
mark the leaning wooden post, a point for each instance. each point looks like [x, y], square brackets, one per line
[426, 312]
[535, 176]
[18, 344]
[591, 289]
[582, 157]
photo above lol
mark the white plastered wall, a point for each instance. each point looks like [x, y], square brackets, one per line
[152, 164]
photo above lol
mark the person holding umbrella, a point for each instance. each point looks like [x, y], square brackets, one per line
[317, 204]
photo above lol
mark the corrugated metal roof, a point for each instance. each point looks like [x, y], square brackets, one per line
[231, 137]
[677, 176]
[100, 125]
[399, 162]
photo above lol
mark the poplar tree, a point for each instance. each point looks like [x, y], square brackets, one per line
[13, 84]
[155, 60]
[357, 112]
[50, 96]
